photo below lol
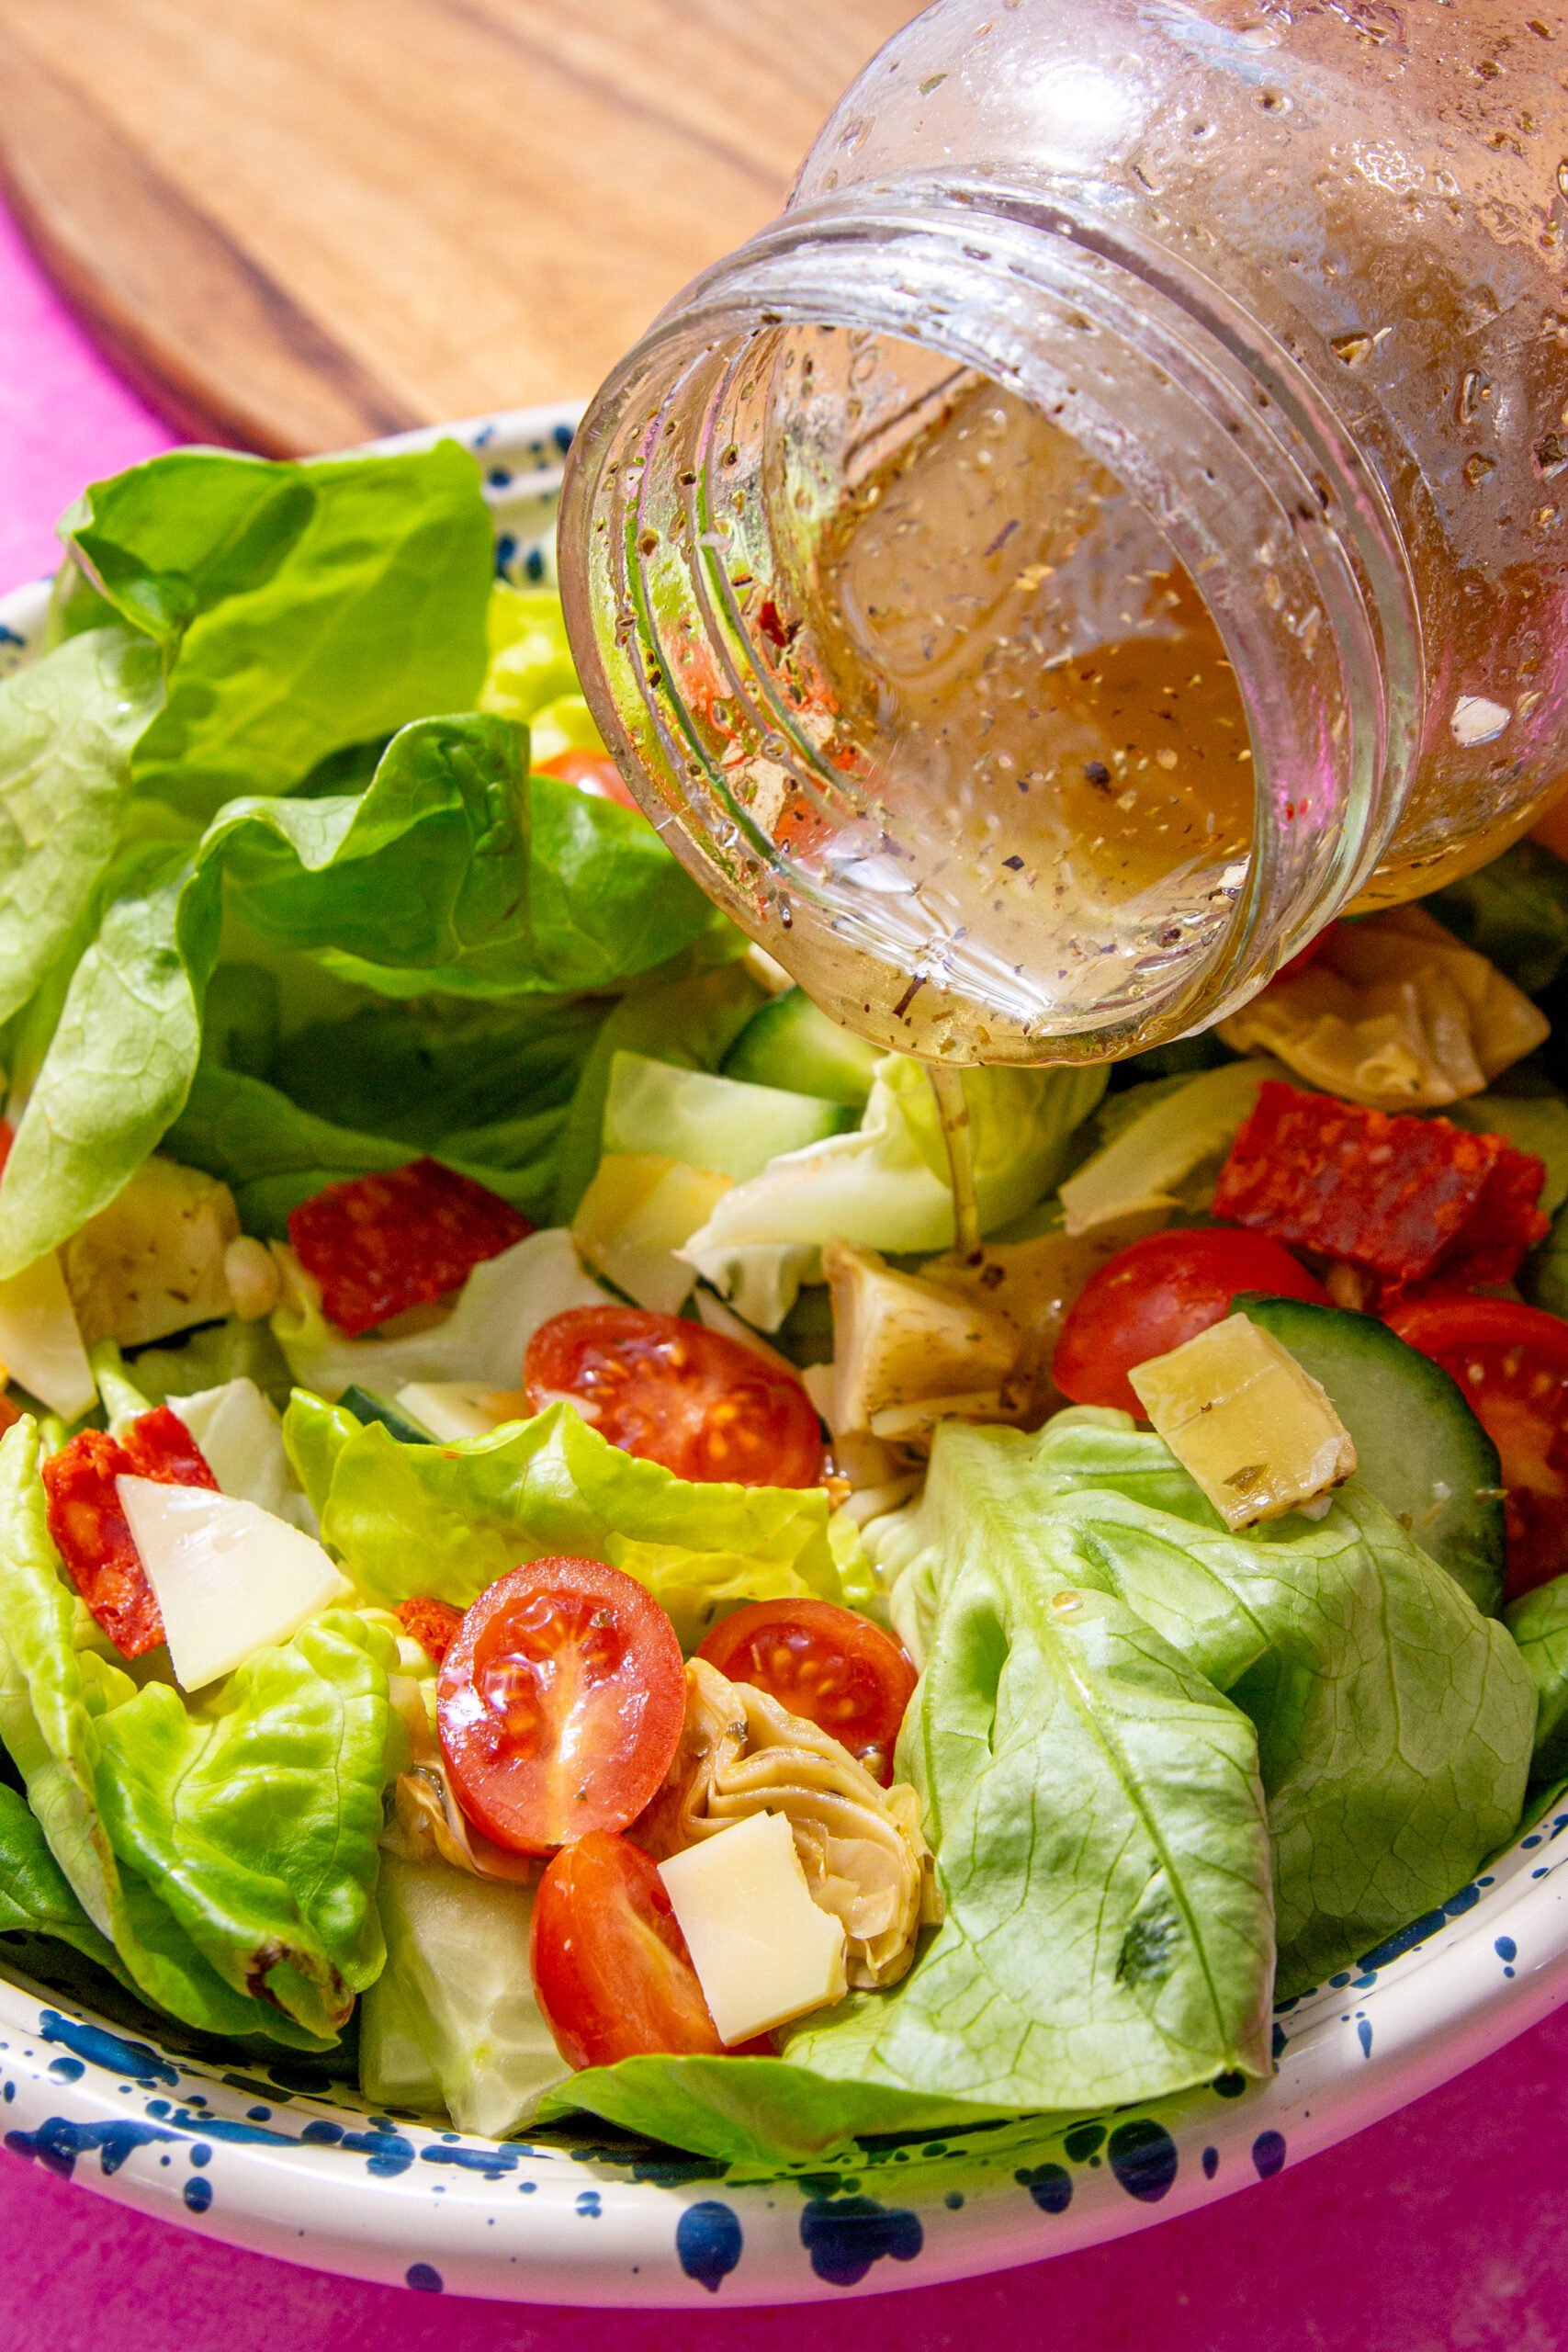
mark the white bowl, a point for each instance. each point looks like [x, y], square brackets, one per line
[279, 2159]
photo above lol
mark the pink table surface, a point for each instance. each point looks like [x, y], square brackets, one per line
[1443, 2230]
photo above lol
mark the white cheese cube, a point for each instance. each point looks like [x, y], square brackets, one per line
[41, 1342]
[240, 1436]
[458, 1408]
[1244, 1418]
[762, 1949]
[635, 1217]
[228, 1577]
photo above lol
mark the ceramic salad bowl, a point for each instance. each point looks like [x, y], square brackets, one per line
[282, 2159]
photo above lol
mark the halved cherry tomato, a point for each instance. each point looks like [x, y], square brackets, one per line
[560, 1703]
[1512, 1364]
[611, 1967]
[591, 772]
[1157, 1293]
[827, 1664]
[706, 1405]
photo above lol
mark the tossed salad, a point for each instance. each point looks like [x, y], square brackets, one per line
[529, 1566]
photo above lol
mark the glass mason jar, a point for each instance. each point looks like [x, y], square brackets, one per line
[1110, 523]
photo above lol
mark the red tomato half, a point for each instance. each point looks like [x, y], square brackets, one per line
[560, 1703]
[1512, 1364]
[827, 1664]
[703, 1405]
[610, 1963]
[1158, 1293]
[594, 772]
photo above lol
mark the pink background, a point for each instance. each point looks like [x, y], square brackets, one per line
[1442, 2230]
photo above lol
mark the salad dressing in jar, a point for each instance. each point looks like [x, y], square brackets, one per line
[1110, 525]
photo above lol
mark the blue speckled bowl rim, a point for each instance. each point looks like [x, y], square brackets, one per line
[266, 2158]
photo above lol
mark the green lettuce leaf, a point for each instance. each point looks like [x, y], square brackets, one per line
[452, 860]
[209, 1358]
[421, 1072]
[1393, 1721]
[448, 1519]
[68, 725]
[1539, 1622]
[531, 674]
[301, 608]
[35, 1894]
[1094, 1807]
[228, 1851]
[1094, 1804]
[273, 1155]
[1514, 911]
[452, 2022]
[691, 1022]
[886, 1186]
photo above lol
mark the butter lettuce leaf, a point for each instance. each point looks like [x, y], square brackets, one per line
[452, 860]
[300, 608]
[36, 1897]
[1143, 1745]
[448, 1519]
[692, 1021]
[885, 1185]
[1513, 911]
[1393, 1722]
[453, 2021]
[273, 1155]
[68, 726]
[1539, 1623]
[228, 1851]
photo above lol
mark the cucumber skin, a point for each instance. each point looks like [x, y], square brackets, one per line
[790, 1042]
[365, 1406]
[1412, 1427]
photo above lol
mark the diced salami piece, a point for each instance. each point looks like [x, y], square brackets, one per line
[431, 1624]
[89, 1528]
[1504, 1225]
[1396, 1196]
[91, 1536]
[381, 1244]
[161, 1447]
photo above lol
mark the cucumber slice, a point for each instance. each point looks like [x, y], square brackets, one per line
[366, 1407]
[1419, 1449]
[790, 1042]
[719, 1123]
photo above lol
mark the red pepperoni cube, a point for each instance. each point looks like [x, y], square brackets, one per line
[431, 1624]
[89, 1528]
[1396, 1196]
[380, 1244]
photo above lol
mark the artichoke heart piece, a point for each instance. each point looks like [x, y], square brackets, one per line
[859, 1845]
[1254, 1430]
[1396, 1012]
[152, 1262]
[902, 1342]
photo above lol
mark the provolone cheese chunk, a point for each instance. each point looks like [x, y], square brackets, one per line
[762, 1949]
[40, 1341]
[450, 1409]
[240, 1436]
[1246, 1420]
[226, 1575]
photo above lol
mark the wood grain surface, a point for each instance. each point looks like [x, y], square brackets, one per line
[298, 222]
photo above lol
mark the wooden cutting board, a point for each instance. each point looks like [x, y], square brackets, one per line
[295, 223]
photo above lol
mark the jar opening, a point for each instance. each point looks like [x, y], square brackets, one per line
[931, 643]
